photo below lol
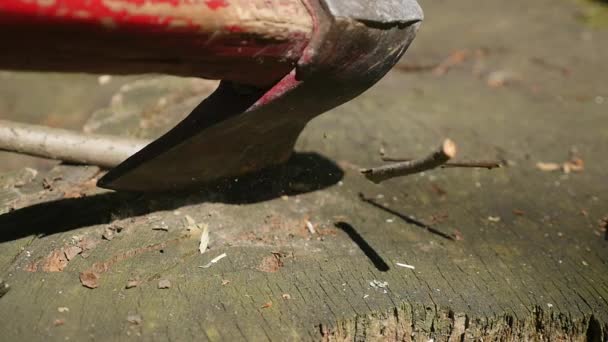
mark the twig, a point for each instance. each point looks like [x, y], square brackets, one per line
[482, 164]
[445, 152]
[73, 147]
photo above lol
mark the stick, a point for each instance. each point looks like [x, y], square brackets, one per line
[92, 149]
[482, 164]
[445, 152]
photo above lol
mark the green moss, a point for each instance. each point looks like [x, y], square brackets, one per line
[595, 12]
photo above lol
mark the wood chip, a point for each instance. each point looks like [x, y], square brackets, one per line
[89, 279]
[164, 284]
[4, 287]
[548, 167]
[494, 218]
[189, 222]
[87, 244]
[134, 319]
[214, 260]
[131, 283]
[108, 234]
[71, 252]
[104, 79]
[405, 266]
[310, 227]
[458, 235]
[574, 165]
[202, 247]
[501, 78]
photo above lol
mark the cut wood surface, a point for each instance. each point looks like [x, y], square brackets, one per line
[514, 254]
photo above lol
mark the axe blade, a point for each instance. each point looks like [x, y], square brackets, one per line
[240, 129]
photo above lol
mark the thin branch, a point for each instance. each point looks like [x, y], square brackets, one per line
[73, 147]
[445, 152]
[481, 164]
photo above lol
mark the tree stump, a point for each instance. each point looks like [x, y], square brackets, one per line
[314, 251]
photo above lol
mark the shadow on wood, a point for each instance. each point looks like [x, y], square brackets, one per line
[369, 251]
[305, 172]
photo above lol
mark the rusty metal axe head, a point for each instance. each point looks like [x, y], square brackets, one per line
[241, 129]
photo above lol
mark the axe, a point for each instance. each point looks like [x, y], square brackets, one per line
[281, 62]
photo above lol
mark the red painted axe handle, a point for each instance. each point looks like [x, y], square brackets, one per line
[249, 41]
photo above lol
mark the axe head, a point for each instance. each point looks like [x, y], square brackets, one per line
[242, 129]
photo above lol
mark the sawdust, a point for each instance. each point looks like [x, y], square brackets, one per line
[93, 274]
[272, 263]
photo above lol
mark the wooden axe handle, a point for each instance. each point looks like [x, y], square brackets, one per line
[248, 41]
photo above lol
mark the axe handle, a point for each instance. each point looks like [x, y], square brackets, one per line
[249, 41]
